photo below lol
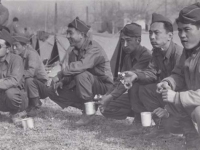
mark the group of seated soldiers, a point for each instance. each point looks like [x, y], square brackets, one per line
[164, 81]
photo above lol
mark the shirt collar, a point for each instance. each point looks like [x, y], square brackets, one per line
[7, 58]
[136, 53]
[25, 53]
[192, 51]
[167, 53]
[84, 46]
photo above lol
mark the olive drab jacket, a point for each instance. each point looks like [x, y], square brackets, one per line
[91, 57]
[33, 65]
[161, 65]
[137, 60]
[185, 79]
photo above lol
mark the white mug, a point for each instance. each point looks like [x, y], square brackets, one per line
[90, 108]
[146, 118]
[27, 123]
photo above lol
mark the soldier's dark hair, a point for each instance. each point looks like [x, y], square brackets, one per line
[197, 24]
[168, 27]
[7, 44]
[15, 19]
[23, 44]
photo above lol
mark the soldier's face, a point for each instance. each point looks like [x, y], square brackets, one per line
[129, 44]
[74, 37]
[158, 35]
[17, 48]
[189, 35]
[3, 48]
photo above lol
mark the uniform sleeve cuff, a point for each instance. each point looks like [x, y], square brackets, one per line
[177, 102]
[140, 76]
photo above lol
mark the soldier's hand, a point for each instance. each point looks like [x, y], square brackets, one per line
[104, 102]
[161, 113]
[129, 76]
[54, 80]
[58, 85]
[161, 86]
[168, 96]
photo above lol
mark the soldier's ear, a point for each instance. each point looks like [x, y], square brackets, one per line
[7, 49]
[83, 34]
[139, 40]
[170, 35]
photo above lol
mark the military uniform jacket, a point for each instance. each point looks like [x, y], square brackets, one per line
[33, 65]
[186, 78]
[137, 60]
[90, 57]
[161, 65]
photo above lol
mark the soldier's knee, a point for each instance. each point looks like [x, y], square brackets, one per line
[82, 76]
[29, 82]
[142, 92]
[197, 110]
[108, 114]
[10, 94]
[16, 99]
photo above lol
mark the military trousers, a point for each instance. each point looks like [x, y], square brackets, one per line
[125, 105]
[13, 100]
[86, 87]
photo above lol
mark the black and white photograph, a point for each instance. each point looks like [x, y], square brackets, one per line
[99, 74]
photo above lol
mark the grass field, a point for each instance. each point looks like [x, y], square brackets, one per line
[55, 130]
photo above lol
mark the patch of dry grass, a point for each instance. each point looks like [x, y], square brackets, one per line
[55, 130]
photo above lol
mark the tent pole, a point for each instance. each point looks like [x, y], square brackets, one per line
[55, 19]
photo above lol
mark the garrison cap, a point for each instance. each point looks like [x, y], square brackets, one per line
[21, 39]
[132, 30]
[79, 25]
[189, 14]
[5, 35]
[159, 18]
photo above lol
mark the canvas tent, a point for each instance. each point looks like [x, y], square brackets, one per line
[54, 48]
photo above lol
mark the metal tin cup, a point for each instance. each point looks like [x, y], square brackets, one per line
[27, 123]
[30, 123]
[24, 124]
[90, 108]
[146, 119]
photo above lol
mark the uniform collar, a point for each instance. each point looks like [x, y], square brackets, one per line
[136, 53]
[167, 53]
[193, 51]
[84, 46]
[25, 53]
[7, 58]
